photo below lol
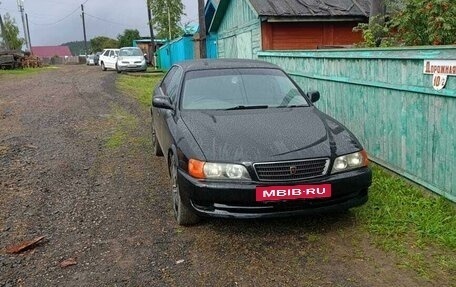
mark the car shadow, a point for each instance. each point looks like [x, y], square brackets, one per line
[317, 224]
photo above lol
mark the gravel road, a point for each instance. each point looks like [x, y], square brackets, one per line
[76, 167]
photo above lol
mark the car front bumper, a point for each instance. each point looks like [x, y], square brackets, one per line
[132, 67]
[237, 200]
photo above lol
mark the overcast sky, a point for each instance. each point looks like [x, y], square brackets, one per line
[53, 22]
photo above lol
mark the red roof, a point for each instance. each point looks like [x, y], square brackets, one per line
[51, 51]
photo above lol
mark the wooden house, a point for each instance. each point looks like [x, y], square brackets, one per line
[145, 44]
[245, 27]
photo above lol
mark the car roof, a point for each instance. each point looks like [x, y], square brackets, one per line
[209, 64]
[129, 48]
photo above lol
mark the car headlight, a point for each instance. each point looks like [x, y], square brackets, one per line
[350, 161]
[211, 170]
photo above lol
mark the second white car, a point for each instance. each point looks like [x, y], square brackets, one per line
[131, 59]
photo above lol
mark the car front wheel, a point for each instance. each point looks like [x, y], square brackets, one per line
[103, 66]
[117, 69]
[184, 215]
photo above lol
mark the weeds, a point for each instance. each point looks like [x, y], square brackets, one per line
[406, 220]
[25, 72]
[140, 88]
[124, 124]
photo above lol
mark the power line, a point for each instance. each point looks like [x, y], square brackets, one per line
[58, 21]
[39, 15]
[104, 20]
[8, 10]
[61, 19]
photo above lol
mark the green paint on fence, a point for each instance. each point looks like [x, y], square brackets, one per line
[384, 97]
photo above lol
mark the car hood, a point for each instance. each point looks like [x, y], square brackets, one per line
[268, 134]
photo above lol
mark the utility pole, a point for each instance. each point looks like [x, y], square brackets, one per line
[377, 9]
[28, 32]
[152, 38]
[3, 33]
[20, 4]
[169, 21]
[202, 29]
[84, 29]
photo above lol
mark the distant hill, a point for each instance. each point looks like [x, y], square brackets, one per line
[77, 47]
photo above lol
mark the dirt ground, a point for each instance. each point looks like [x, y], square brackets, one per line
[76, 167]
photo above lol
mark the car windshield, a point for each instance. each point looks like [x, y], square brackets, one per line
[245, 88]
[130, 52]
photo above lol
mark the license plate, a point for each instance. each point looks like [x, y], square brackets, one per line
[131, 66]
[308, 191]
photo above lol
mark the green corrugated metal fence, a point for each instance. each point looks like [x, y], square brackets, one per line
[384, 97]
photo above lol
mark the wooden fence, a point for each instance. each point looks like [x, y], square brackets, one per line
[73, 60]
[386, 99]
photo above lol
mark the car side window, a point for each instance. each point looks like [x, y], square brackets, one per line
[173, 88]
[106, 53]
[167, 80]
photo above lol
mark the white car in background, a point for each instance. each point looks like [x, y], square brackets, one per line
[90, 60]
[108, 59]
[131, 59]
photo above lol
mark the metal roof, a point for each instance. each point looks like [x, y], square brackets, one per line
[311, 8]
[305, 10]
[51, 51]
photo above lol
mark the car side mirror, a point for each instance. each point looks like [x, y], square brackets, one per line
[162, 103]
[314, 96]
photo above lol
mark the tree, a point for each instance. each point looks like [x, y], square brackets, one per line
[126, 39]
[76, 47]
[427, 22]
[10, 33]
[3, 43]
[412, 23]
[101, 42]
[166, 17]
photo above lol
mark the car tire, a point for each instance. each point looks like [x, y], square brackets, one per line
[183, 214]
[117, 69]
[156, 148]
[103, 68]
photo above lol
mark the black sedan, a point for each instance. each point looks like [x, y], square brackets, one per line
[241, 139]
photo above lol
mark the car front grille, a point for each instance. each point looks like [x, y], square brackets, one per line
[291, 170]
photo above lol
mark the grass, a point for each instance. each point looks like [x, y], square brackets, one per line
[397, 208]
[24, 72]
[419, 227]
[123, 123]
[139, 88]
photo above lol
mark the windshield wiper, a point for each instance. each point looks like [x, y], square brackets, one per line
[292, 106]
[241, 107]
